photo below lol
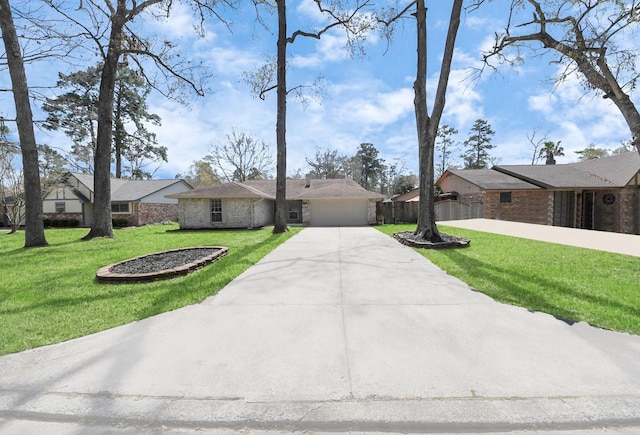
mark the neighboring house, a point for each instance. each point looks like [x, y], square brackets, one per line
[600, 194]
[411, 196]
[140, 202]
[251, 204]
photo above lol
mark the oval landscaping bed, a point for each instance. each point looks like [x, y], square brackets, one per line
[160, 265]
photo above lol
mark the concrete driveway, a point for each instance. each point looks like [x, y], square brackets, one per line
[338, 329]
[618, 243]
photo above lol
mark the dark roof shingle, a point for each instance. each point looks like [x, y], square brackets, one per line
[296, 190]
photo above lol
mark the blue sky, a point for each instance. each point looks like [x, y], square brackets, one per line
[367, 99]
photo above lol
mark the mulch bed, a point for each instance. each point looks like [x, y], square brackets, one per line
[448, 241]
[160, 265]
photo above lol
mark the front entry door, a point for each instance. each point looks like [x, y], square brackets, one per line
[588, 210]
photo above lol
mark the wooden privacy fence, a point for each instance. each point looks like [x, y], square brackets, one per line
[407, 212]
[454, 210]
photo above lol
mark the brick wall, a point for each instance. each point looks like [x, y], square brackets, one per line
[469, 198]
[628, 217]
[306, 213]
[149, 213]
[371, 212]
[525, 206]
[236, 213]
[194, 213]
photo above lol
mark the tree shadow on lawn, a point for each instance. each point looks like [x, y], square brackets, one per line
[512, 289]
[235, 257]
[174, 286]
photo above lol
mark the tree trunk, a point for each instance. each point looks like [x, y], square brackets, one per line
[603, 80]
[102, 225]
[118, 136]
[34, 226]
[427, 126]
[631, 116]
[426, 228]
[281, 123]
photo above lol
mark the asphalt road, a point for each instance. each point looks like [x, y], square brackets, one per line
[336, 330]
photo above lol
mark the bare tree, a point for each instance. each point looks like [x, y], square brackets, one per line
[241, 158]
[109, 25]
[200, 174]
[591, 38]
[356, 22]
[12, 197]
[34, 226]
[536, 143]
[328, 163]
[427, 125]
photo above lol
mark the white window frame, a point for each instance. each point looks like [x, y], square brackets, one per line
[120, 204]
[63, 207]
[216, 210]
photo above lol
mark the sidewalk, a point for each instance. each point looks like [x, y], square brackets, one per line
[628, 244]
[338, 329]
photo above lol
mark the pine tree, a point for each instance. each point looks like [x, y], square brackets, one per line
[478, 145]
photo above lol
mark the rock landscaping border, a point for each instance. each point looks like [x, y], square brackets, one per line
[448, 242]
[160, 265]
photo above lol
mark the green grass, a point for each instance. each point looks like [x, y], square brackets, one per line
[49, 294]
[571, 283]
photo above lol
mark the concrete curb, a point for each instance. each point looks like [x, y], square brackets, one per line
[443, 415]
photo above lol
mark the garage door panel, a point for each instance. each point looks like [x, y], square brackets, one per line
[339, 212]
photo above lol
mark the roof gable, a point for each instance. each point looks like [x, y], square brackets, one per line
[224, 190]
[407, 196]
[123, 189]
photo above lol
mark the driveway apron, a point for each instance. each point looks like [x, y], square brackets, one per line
[336, 329]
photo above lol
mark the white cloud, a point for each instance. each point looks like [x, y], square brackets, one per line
[543, 103]
[580, 118]
[464, 102]
[309, 9]
[179, 24]
[379, 109]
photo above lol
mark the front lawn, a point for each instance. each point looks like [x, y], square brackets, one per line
[574, 284]
[49, 295]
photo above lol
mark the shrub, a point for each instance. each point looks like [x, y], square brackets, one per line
[61, 223]
[119, 222]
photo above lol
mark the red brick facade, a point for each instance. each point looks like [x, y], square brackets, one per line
[626, 218]
[525, 206]
[537, 207]
[149, 213]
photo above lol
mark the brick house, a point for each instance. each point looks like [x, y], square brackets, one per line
[140, 202]
[251, 204]
[600, 194]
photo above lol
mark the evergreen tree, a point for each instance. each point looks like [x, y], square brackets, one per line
[76, 113]
[478, 145]
[368, 166]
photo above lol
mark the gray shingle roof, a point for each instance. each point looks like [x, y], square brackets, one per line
[489, 179]
[225, 190]
[618, 170]
[296, 190]
[615, 171]
[128, 190]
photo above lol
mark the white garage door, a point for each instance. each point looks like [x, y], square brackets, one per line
[338, 212]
